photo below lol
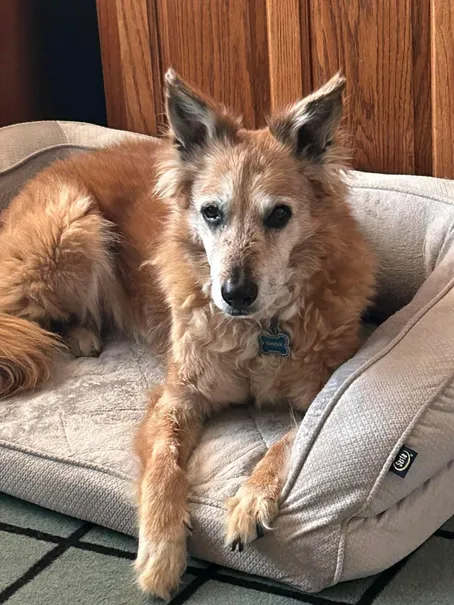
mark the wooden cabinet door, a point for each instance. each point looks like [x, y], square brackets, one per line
[221, 47]
[257, 55]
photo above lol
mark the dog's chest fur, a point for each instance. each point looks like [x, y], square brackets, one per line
[229, 363]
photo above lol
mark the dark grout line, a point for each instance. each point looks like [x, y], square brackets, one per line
[125, 554]
[32, 572]
[106, 550]
[43, 563]
[189, 590]
[275, 590]
[31, 533]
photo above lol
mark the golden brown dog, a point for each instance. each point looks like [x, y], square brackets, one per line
[233, 251]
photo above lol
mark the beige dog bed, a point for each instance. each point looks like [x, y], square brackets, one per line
[372, 470]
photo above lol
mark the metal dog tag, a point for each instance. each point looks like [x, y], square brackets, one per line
[274, 341]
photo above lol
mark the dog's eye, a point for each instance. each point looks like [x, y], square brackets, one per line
[212, 214]
[278, 218]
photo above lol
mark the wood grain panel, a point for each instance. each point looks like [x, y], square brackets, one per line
[306, 48]
[371, 41]
[284, 44]
[131, 95]
[443, 87]
[157, 70]
[111, 64]
[217, 45]
[258, 60]
[420, 34]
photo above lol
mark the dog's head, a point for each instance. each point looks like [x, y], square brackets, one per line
[249, 197]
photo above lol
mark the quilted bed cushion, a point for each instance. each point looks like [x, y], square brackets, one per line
[68, 445]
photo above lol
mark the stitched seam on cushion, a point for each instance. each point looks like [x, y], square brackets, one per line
[61, 460]
[3, 128]
[43, 150]
[420, 487]
[414, 492]
[423, 409]
[70, 122]
[385, 470]
[257, 429]
[62, 130]
[63, 427]
[340, 553]
[359, 372]
[417, 489]
[444, 201]
[99, 127]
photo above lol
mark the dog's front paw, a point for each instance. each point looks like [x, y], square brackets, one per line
[82, 341]
[249, 514]
[160, 565]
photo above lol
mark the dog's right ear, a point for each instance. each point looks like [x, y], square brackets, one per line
[194, 120]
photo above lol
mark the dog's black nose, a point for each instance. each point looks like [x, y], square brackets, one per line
[239, 291]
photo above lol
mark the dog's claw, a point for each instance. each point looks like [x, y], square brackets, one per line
[237, 543]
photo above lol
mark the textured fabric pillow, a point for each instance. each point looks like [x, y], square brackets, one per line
[343, 513]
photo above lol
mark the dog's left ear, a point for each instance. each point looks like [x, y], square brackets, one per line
[308, 127]
[194, 119]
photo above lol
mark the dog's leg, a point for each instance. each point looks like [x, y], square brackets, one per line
[253, 508]
[164, 443]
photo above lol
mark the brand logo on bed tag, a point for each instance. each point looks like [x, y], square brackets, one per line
[403, 461]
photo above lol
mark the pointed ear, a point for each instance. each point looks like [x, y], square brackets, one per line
[308, 127]
[194, 120]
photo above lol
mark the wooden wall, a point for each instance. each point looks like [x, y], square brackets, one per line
[255, 55]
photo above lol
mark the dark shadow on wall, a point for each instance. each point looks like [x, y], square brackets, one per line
[69, 53]
[50, 61]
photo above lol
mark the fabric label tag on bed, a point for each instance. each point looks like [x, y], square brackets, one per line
[403, 461]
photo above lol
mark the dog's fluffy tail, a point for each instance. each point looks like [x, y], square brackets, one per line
[26, 354]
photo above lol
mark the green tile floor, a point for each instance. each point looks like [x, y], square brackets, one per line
[50, 559]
